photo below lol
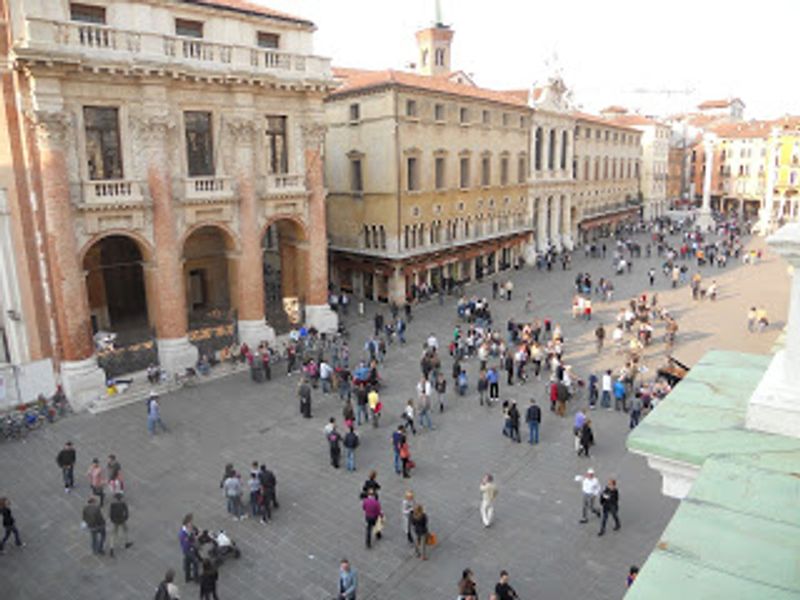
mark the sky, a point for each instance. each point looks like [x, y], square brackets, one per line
[608, 51]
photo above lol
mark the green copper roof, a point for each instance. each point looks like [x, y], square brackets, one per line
[737, 534]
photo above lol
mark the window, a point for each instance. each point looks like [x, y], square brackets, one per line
[268, 40]
[605, 167]
[607, 135]
[597, 168]
[411, 108]
[187, 28]
[522, 169]
[551, 151]
[103, 149]
[486, 117]
[506, 119]
[564, 138]
[439, 57]
[464, 172]
[199, 143]
[588, 133]
[412, 176]
[438, 112]
[382, 234]
[87, 13]
[636, 169]
[463, 115]
[356, 176]
[522, 122]
[538, 149]
[276, 144]
[486, 171]
[439, 172]
[355, 112]
[504, 170]
[587, 166]
[368, 237]
[598, 134]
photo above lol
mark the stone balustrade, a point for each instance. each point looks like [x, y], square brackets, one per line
[55, 39]
[112, 191]
[283, 184]
[208, 189]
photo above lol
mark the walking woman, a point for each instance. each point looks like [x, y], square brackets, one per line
[488, 494]
[419, 520]
[208, 581]
[408, 509]
[405, 457]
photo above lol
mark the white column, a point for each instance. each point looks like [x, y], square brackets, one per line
[555, 221]
[704, 220]
[10, 299]
[566, 222]
[774, 406]
[766, 218]
[541, 224]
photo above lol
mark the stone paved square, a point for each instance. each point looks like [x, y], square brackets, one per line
[536, 535]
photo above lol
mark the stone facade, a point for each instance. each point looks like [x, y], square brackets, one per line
[195, 200]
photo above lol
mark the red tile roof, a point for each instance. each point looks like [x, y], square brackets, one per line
[744, 129]
[633, 120]
[621, 110]
[717, 103]
[359, 80]
[249, 8]
[582, 116]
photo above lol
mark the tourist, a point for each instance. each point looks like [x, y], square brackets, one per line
[441, 389]
[375, 406]
[154, 415]
[590, 488]
[118, 514]
[636, 410]
[350, 443]
[167, 590]
[419, 521]
[503, 589]
[482, 385]
[348, 580]
[467, 588]
[10, 525]
[371, 484]
[208, 581]
[586, 438]
[407, 508]
[606, 387]
[488, 495]
[633, 572]
[188, 541]
[304, 394]
[66, 461]
[372, 511]
[494, 385]
[600, 336]
[405, 458]
[533, 417]
[96, 480]
[609, 501]
[751, 319]
[513, 418]
[96, 524]
[334, 445]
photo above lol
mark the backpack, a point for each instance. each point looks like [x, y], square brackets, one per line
[161, 592]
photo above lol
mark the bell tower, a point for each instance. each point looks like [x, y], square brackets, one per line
[434, 47]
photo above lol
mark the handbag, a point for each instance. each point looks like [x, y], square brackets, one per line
[379, 523]
[411, 464]
[432, 539]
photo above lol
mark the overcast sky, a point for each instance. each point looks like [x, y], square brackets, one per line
[606, 48]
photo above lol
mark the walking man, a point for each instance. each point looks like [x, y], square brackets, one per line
[513, 418]
[118, 513]
[488, 494]
[591, 490]
[304, 394]
[606, 387]
[154, 414]
[96, 480]
[66, 461]
[188, 539]
[503, 589]
[335, 446]
[372, 511]
[350, 444]
[9, 525]
[609, 500]
[533, 416]
[348, 581]
[96, 524]
[398, 439]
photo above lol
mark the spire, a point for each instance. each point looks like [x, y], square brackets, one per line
[438, 22]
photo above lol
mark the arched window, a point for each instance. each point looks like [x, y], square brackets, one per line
[551, 151]
[538, 148]
[597, 168]
[586, 168]
[605, 168]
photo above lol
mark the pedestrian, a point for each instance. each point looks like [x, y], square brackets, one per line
[482, 385]
[371, 484]
[636, 410]
[232, 488]
[407, 508]
[66, 461]
[606, 388]
[116, 485]
[268, 493]
[154, 414]
[408, 416]
[96, 524]
[118, 514]
[167, 590]
[441, 389]
[586, 438]
[590, 489]
[375, 406]
[350, 444]
[651, 275]
[304, 395]
[208, 581]
[609, 501]
[348, 581]
[751, 319]
[372, 512]
[398, 438]
[513, 418]
[188, 541]
[633, 572]
[488, 495]
[96, 480]
[424, 408]
[419, 521]
[533, 417]
[10, 525]
[334, 446]
[467, 588]
[405, 458]
[503, 589]
[494, 385]
[600, 336]
[620, 395]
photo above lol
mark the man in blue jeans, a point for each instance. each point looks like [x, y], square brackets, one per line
[96, 524]
[533, 417]
[398, 437]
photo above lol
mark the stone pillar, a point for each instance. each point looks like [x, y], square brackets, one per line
[175, 352]
[566, 222]
[318, 313]
[774, 406]
[397, 287]
[766, 215]
[704, 219]
[541, 224]
[83, 380]
[555, 221]
[253, 328]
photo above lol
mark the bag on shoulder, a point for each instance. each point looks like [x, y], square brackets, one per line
[162, 593]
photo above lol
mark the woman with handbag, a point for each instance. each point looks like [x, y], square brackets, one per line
[408, 509]
[405, 457]
[419, 520]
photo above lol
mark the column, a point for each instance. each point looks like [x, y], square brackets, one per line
[397, 287]
[175, 352]
[253, 328]
[540, 208]
[704, 219]
[318, 313]
[774, 406]
[555, 221]
[566, 222]
[766, 217]
[83, 380]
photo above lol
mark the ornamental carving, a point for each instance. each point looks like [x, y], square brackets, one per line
[242, 130]
[53, 128]
[313, 135]
[153, 129]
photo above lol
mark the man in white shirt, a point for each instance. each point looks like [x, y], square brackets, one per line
[590, 488]
[606, 387]
[433, 342]
[325, 376]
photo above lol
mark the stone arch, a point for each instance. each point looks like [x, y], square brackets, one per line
[285, 256]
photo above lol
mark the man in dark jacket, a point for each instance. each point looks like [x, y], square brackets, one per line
[304, 393]
[513, 416]
[66, 461]
[609, 500]
[533, 417]
[268, 492]
[335, 446]
[96, 524]
[118, 513]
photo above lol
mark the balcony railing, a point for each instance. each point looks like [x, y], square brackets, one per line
[205, 189]
[112, 191]
[54, 39]
[286, 183]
